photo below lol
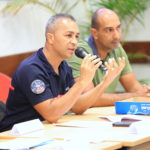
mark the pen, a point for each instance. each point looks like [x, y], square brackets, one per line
[41, 144]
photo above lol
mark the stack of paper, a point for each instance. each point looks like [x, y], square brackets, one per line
[118, 118]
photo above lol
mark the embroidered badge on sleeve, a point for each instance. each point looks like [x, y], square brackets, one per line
[38, 86]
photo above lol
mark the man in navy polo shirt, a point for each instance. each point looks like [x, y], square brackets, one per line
[43, 86]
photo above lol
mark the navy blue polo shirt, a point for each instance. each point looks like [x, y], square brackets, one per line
[34, 82]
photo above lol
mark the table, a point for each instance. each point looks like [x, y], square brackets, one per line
[116, 134]
[51, 131]
[115, 137]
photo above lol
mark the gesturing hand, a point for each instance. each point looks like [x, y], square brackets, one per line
[114, 69]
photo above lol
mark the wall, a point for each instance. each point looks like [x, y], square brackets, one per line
[140, 32]
[22, 32]
[25, 31]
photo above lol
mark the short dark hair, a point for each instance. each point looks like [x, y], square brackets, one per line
[94, 21]
[54, 18]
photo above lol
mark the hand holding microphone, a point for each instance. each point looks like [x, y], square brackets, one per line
[88, 68]
[80, 52]
[112, 68]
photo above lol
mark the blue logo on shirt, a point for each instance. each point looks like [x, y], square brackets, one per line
[38, 86]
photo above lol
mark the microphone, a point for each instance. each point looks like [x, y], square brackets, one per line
[79, 52]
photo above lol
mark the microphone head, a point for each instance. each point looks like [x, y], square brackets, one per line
[79, 52]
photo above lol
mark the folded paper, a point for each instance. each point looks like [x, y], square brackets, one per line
[26, 127]
[140, 127]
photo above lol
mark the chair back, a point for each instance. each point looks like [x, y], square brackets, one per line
[5, 83]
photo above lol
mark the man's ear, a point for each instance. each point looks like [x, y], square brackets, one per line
[50, 38]
[93, 32]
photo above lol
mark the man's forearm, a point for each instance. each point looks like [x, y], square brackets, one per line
[89, 98]
[108, 99]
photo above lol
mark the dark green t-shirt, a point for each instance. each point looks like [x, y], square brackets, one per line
[75, 63]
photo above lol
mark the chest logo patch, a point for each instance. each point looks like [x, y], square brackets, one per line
[38, 86]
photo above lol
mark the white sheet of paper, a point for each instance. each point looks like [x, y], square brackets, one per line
[24, 143]
[85, 124]
[86, 131]
[75, 145]
[85, 135]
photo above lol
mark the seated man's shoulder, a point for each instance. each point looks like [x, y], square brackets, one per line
[28, 65]
[120, 50]
[84, 44]
[120, 47]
